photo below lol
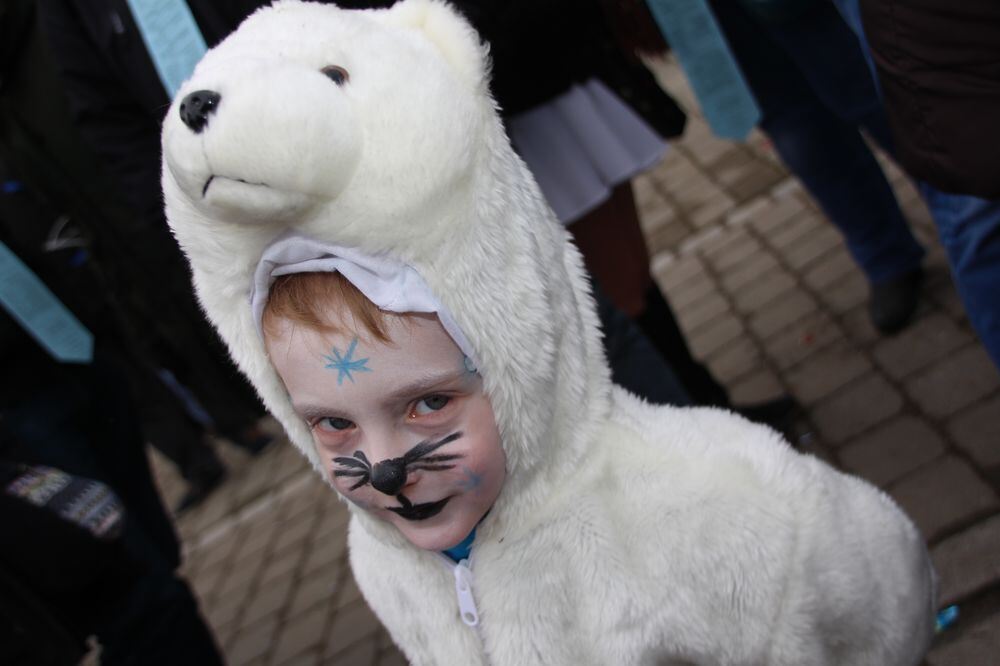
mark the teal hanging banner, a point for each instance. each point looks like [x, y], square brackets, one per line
[172, 38]
[26, 298]
[690, 28]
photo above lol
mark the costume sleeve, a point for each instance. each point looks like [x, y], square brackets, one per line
[860, 588]
[833, 569]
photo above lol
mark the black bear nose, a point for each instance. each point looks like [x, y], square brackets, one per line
[389, 476]
[197, 107]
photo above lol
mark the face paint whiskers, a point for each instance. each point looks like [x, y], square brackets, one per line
[357, 466]
[389, 476]
[417, 458]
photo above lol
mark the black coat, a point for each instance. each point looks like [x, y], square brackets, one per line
[540, 48]
[938, 63]
[116, 95]
[118, 104]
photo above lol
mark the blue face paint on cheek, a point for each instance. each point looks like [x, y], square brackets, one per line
[346, 364]
[470, 480]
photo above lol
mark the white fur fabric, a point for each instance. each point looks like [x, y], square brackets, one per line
[624, 534]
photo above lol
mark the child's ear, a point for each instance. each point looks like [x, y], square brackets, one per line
[449, 31]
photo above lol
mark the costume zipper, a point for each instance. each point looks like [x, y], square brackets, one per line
[467, 609]
[463, 589]
[462, 572]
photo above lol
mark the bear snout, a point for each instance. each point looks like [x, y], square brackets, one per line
[197, 107]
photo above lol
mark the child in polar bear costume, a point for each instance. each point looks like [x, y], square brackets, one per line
[384, 270]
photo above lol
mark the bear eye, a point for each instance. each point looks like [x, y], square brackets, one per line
[336, 74]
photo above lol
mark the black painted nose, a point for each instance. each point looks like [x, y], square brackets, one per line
[389, 476]
[197, 107]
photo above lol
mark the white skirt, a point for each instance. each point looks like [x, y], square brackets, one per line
[582, 144]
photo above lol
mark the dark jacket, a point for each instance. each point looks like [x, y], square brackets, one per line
[538, 48]
[118, 103]
[115, 93]
[938, 63]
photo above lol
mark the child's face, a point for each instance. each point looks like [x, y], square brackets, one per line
[404, 429]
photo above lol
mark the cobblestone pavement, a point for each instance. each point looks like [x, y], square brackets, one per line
[771, 300]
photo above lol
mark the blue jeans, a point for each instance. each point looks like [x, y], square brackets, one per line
[815, 92]
[969, 228]
[635, 363]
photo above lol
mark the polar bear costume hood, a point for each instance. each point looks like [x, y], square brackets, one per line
[406, 158]
[624, 533]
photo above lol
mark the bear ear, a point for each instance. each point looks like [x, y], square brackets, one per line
[447, 29]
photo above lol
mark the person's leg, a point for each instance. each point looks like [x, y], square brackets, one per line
[826, 152]
[116, 440]
[635, 363]
[970, 232]
[659, 323]
[157, 621]
[969, 229]
[850, 11]
[186, 346]
[167, 426]
[614, 251]
[831, 58]
[815, 91]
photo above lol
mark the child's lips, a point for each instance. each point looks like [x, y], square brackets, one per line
[419, 511]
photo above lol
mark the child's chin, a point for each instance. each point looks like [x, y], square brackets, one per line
[427, 537]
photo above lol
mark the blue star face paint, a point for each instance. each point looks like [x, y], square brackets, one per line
[346, 364]
[415, 443]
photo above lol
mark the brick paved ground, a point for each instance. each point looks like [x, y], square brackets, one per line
[771, 300]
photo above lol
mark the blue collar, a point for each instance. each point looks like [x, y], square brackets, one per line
[461, 551]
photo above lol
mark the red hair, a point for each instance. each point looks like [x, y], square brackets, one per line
[309, 299]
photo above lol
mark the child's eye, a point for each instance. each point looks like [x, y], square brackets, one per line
[334, 423]
[431, 403]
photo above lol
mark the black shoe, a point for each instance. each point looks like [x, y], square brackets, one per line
[778, 413]
[659, 324]
[893, 302]
[199, 490]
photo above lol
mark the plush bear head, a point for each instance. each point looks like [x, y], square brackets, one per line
[281, 118]
[375, 130]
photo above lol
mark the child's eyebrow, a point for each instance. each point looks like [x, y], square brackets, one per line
[417, 388]
[422, 386]
[311, 412]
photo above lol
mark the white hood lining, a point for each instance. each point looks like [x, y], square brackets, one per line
[389, 284]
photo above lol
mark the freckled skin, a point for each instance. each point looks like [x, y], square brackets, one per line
[417, 390]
